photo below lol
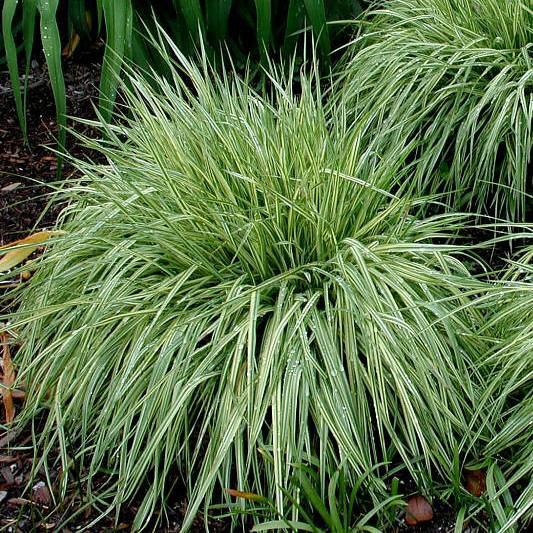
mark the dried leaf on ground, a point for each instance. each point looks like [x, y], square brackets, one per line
[23, 248]
[41, 494]
[418, 510]
[475, 482]
[251, 496]
[7, 379]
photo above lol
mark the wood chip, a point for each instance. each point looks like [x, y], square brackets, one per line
[11, 187]
[41, 494]
[8, 475]
[8, 458]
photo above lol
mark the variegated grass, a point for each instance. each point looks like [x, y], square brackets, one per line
[450, 82]
[237, 293]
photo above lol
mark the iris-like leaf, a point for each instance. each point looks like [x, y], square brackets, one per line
[8, 14]
[52, 51]
[119, 27]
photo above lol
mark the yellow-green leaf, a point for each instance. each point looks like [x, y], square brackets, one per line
[19, 250]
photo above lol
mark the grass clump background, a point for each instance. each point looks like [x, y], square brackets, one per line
[237, 293]
[450, 81]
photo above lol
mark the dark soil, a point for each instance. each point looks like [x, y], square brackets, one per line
[25, 171]
[27, 176]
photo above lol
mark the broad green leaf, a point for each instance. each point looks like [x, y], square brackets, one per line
[8, 13]
[295, 23]
[77, 12]
[217, 18]
[118, 20]
[263, 12]
[194, 19]
[99, 15]
[52, 52]
[29, 15]
[316, 14]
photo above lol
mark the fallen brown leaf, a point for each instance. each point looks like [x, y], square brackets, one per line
[418, 510]
[7, 380]
[246, 495]
[23, 249]
[475, 482]
[71, 46]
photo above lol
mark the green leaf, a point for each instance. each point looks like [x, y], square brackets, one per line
[29, 15]
[52, 51]
[295, 22]
[315, 500]
[459, 521]
[194, 19]
[99, 15]
[8, 14]
[317, 17]
[263, 11]
[78, 17]
[217, 16]
[280, 525]
[118, 20]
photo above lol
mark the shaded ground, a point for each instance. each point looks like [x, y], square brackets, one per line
[26, 174]
[24, 170]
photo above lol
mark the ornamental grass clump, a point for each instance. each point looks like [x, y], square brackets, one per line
[237, 293]
[508, 396]
[450, 81]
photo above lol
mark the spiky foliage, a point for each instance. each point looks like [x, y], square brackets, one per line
[237, 293]
[509, 393]
[451, 81]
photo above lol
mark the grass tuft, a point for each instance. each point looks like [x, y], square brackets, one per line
[509, 393]
[450, 81]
